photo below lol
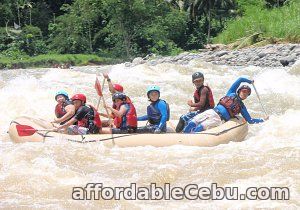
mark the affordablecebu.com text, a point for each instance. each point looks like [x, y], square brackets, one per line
[97, 191]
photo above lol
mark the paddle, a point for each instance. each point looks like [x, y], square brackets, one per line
[100, 94]
[99, 90]
[260, 101]
[26, 130]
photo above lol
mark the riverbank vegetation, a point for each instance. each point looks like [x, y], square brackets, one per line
[274, 21]
[79, 32]
[54, 60]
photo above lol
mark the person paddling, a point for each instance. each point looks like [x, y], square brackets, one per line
[158, 113]
[203, 100]
[64, 110]
[125, 119]
[86, 118]
[113, 88]
[228, 107]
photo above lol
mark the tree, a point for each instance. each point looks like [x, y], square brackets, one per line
[6, 12]
[209, 8]
[22, 4]
[73, 32]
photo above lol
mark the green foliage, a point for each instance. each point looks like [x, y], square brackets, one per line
[52, 60]
[6, 11]
[275, 3]
[41, 16]
[283, 22]
[124, 29]
[4, 39]
[136, 28]
[32, 41]
[73, 32]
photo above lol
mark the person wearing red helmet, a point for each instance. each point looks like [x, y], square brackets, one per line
[86, 118]
[125, 119]
[113, 88]
[228, 107]
[118, 88]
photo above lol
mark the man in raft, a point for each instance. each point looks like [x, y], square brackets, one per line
[228, 107]
[158, 113]
[64, 109]
[125, 120]
[86, 118]
[203, 100]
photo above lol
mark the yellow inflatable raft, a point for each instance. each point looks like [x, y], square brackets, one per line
[27, 129]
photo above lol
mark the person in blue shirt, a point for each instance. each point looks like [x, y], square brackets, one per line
[228, 107]
[158, 113]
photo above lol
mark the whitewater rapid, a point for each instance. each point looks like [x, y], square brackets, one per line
[42, 175]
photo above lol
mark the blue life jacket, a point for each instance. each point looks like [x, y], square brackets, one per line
[154, 115]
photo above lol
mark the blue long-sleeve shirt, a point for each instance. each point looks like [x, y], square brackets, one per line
[161, 106]
[232, 92]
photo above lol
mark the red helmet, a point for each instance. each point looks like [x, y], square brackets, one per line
[118, 88]
[80, 97]
[244, 87]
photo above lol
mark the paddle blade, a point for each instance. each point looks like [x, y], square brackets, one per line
[25, 130]
[98, 87]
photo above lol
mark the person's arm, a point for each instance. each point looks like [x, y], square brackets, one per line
[202, 100]
[248, 118]
[105, 115]
[110, 85]
[236, 85]
[67, 124]
[70, 111]
[162, 107]
[142, 118]
[80, 114]
[121, 112]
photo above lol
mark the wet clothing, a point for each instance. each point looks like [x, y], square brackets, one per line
[232, 105]
[128, 122]
[114, 106]
[60, 110]
[123, 131]
[76, 130]
[207, 120]
[184, 119]
[158, 113]
[225, 113]
[88, 117]
[207, 103]
[149, 129]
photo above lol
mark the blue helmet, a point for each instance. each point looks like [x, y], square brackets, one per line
[63, 93]
[153, 88]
